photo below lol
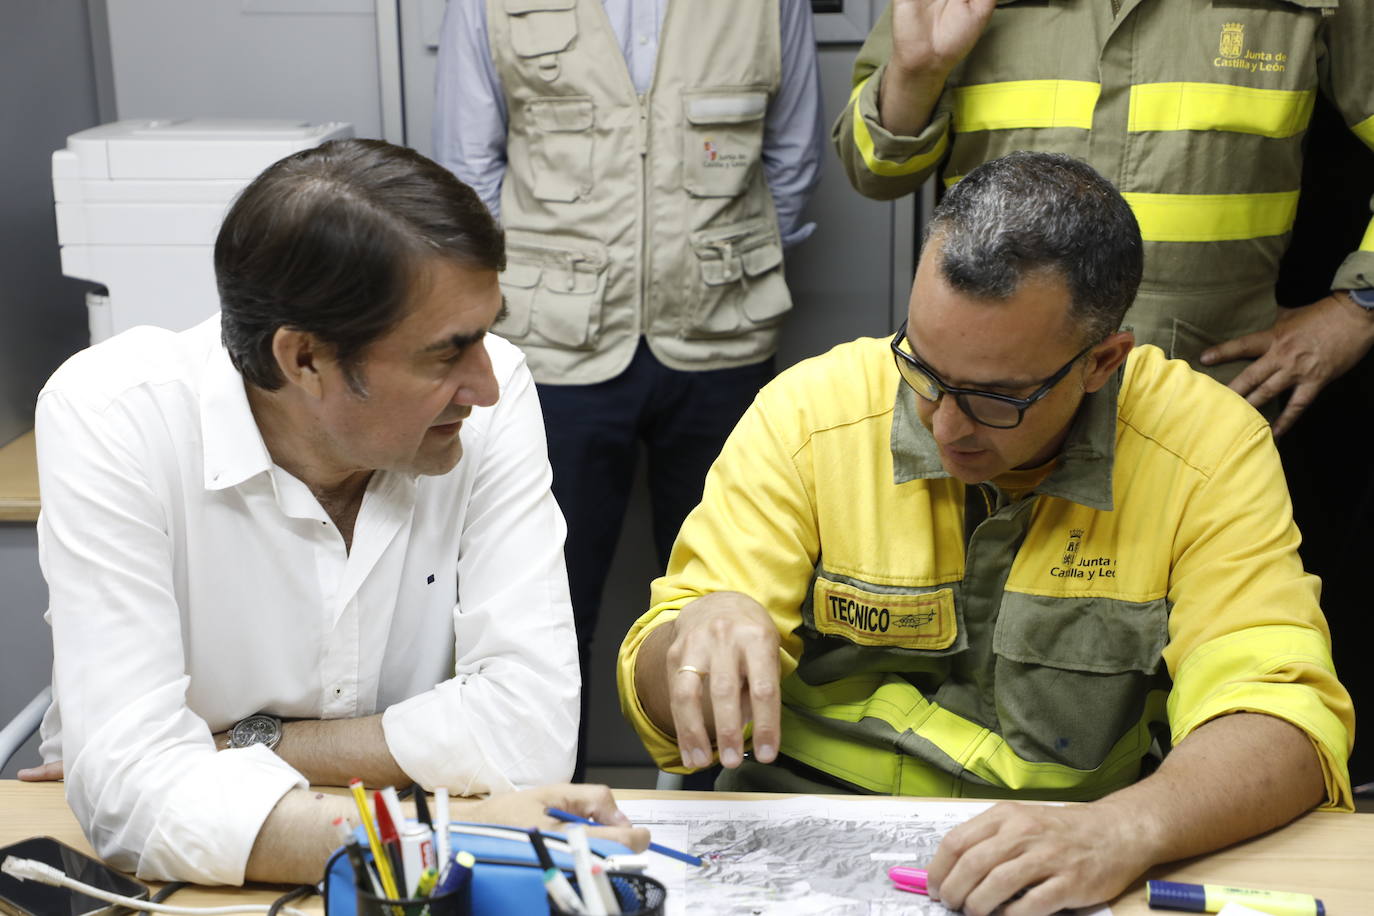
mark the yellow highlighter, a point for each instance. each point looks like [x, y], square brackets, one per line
[1210, 898]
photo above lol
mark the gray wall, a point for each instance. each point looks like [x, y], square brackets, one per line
[47, 91]
[314, 60]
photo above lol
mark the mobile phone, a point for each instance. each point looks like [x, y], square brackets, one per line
[32, 898]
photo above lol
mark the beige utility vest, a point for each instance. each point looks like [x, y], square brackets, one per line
[631, 215]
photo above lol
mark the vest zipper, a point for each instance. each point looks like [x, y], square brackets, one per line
[643, 258]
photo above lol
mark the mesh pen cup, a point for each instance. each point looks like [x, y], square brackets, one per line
[638, 895]
[455, 903]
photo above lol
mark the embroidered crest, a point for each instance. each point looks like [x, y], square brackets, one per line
[1232, 40]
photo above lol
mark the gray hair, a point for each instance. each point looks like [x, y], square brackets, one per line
[1028, 212]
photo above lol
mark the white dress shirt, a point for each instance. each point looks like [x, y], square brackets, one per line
[192, 582]
[470, 107]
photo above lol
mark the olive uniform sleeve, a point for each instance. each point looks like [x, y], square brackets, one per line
[882, 165]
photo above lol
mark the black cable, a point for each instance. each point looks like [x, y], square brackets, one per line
[291, 896]
[167, 891]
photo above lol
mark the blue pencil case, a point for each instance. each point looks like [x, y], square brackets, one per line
[506, 879]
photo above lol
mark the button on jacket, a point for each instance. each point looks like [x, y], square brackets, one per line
[192, 582]
[945, 640]
[1195, 109]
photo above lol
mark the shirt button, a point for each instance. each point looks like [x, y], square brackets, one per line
[338, 691]
[644, 39]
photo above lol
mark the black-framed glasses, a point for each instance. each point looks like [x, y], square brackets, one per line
[1000, 411]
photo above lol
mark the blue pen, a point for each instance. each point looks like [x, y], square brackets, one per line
[571, 818]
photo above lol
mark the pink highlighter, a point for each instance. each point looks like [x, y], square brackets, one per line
[912, 880]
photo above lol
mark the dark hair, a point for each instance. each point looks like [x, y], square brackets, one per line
[330, 240]
[1030, 211]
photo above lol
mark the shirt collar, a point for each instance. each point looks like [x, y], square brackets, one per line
[234, 450]
[1084, 474]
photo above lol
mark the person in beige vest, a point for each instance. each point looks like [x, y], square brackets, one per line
[649, 161]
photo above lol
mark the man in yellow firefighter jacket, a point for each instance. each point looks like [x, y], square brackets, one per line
[1004, 554]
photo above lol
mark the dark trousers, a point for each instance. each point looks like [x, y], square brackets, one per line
[594, 434]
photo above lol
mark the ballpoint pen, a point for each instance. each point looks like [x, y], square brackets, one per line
[561, 815]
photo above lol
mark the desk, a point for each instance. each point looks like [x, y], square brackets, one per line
[1332, 854]
[19, 480]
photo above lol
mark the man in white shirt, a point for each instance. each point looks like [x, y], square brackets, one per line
[326, 511]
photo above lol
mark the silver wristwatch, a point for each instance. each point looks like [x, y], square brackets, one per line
[1364, 298]
[256, 729]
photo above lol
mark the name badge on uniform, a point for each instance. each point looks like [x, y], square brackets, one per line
[924, 621]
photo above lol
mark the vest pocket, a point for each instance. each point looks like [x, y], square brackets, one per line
[1073, 674]
[540, 30]
[554, 293]
[561, 147]
[722, 141]
[742, 286]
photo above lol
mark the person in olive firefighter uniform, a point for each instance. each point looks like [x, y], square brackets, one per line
[1197, 111]
[1003, 554]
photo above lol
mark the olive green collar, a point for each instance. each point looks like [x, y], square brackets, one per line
[1084, 474]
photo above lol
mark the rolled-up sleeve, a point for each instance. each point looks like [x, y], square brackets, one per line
[508, 718]
[1246, 633]
[142, 774]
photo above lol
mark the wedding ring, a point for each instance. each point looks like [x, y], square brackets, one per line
[692, 669]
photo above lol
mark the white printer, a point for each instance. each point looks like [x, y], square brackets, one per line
[139, 204]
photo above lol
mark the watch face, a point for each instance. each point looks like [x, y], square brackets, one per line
[259, 729]
[1364, 298]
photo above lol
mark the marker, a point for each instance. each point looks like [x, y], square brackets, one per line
[582, 864]
[603, 887]
[912, 880]
[458, 874]
[555, 885]
[428, 879]
[417, 855]
[560, 815]
[362, 875]
[1210, 898]
[422, 807]
[389, 830]
[379, 856]
[441, 837]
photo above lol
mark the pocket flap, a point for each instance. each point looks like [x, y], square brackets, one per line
[520, 276]
[520, 7]
[763, 258]
[542, 31]
[716, 107]
[563, 114]
[1101, 635]
[749, 248]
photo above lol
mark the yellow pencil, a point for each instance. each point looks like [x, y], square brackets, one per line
[379, 856]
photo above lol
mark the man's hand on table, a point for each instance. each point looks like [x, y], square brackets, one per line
[1065, 856]
[526, 809]
[44, 772]
[719, 670]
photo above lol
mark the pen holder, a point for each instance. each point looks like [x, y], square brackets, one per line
[454, 903]
[637, 895]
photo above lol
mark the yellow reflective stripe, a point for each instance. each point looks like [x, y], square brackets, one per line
[1213, 217]
[1365, 131]
[864, 141]
[983, 753]
[1273, 113]
[1025, 103]
[1367, 243]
